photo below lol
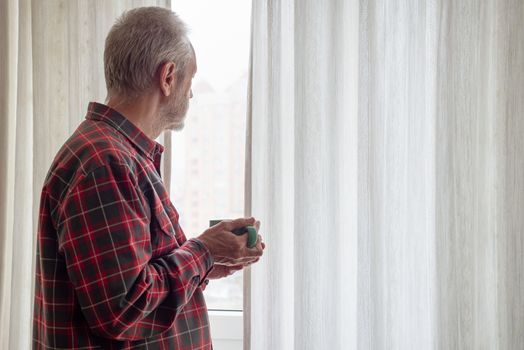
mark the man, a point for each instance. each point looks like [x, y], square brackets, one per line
[114, 268]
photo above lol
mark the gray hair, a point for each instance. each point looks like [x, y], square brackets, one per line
[139, 41]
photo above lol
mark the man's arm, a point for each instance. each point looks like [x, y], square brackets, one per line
[105, 239]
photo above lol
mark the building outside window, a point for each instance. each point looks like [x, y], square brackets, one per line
[208, 154]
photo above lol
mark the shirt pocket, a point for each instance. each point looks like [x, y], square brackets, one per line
[163, 232]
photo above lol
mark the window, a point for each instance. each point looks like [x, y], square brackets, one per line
[208, 155]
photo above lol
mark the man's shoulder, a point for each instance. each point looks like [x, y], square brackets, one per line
[91, 146]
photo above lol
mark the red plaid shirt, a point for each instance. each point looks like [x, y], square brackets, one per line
[114, 268]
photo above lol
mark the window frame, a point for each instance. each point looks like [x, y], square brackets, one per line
[226, 325]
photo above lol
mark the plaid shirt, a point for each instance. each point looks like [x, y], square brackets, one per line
[114, 268]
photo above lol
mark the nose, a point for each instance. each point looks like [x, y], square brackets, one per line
[190, 93]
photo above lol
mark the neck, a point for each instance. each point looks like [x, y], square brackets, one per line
[143, 111]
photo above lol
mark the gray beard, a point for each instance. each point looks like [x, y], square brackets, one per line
[172, 115]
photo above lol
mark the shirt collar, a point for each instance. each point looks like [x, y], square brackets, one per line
[98, 111]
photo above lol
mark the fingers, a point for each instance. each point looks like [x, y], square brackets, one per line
[259, 242]
[257, 226]
[247, 259]
[257, 250]
[242, 255]
[246, 264]
[243, 261]
[238, 223]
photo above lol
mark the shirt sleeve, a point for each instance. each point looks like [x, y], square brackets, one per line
[104, 236]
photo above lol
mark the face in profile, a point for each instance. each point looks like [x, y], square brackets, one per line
[175, 111]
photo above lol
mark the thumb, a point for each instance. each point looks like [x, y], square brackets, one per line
[238, 223]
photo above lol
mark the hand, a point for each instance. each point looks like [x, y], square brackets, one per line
[259, 243]
[229, 249]
[221, 271]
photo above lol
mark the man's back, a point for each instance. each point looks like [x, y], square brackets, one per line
[114, 269]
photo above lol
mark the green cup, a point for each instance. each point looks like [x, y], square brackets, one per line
[250, 230]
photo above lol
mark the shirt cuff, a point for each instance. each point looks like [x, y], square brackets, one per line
[203, 258]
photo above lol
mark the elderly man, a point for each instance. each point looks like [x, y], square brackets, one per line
[114, 268]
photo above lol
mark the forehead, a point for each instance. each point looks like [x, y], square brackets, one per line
[189, 69]
[193, 63]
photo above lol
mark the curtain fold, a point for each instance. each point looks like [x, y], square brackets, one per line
[51, 66]
[16, 175]
[302, 185]
[271, 95]
[385, 142]
[397, 233]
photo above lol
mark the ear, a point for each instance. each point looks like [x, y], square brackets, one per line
[167, 78]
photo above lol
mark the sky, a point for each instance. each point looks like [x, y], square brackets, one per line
[220, 32]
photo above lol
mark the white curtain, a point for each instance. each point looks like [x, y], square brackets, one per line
[386, 163]
[51, 66]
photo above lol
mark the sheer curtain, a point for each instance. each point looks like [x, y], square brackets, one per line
[50, 68]
[385, 161]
